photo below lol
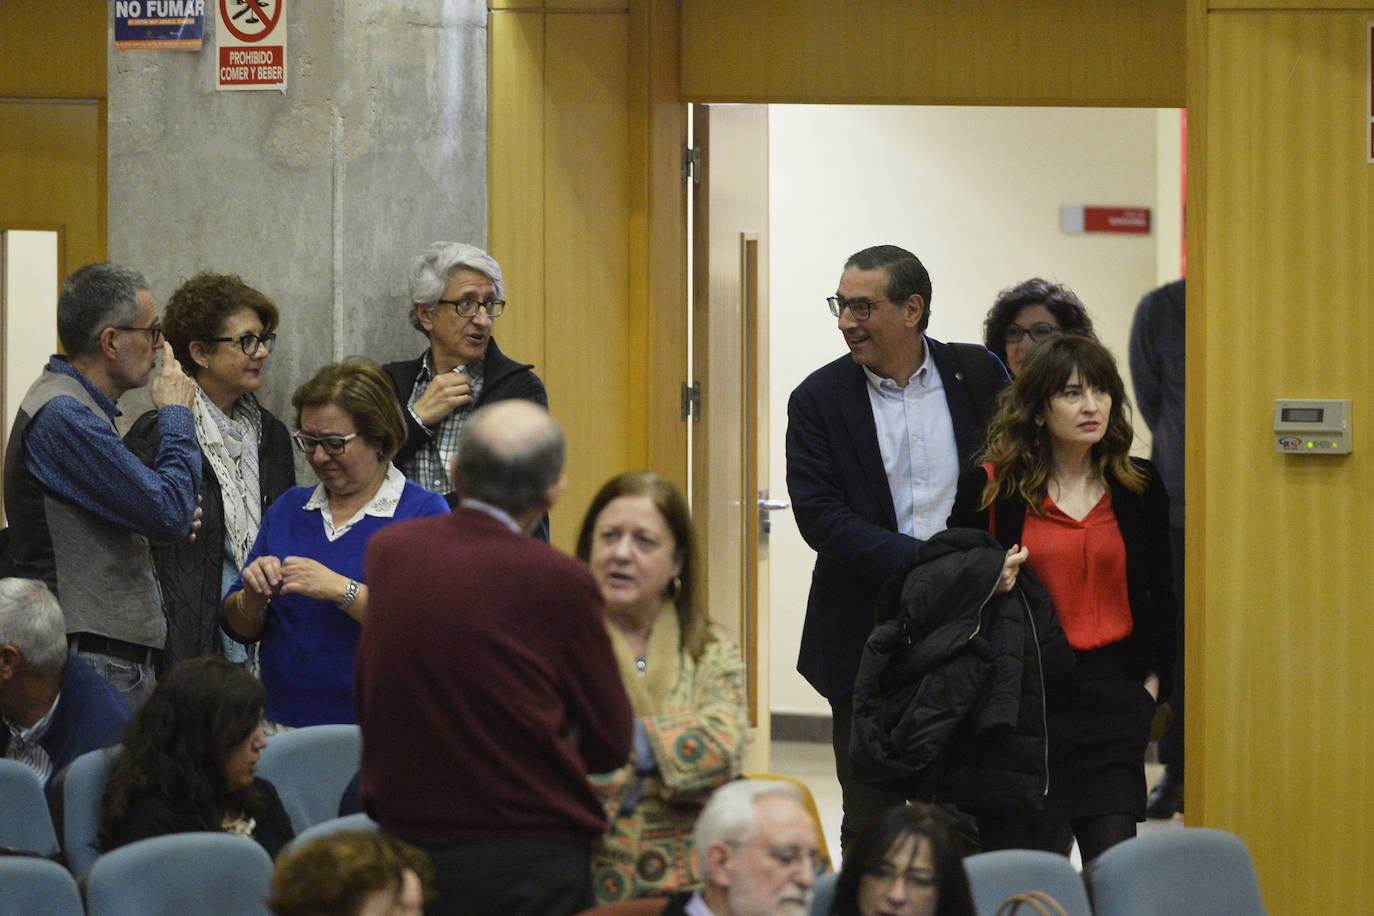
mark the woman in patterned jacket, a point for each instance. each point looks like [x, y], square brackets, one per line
[685, 680]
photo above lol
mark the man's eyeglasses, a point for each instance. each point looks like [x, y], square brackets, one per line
[859, 308]
[1036, 332]
[790, 857]
[333, 445]
[153, 330]
[248, 343]
[466, 308]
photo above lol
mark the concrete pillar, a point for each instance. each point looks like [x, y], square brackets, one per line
[319, 197]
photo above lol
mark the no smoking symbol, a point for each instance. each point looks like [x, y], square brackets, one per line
[252, 20]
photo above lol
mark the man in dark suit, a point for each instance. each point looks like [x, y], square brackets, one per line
[875, 444]
[455, 292]
[485, 683]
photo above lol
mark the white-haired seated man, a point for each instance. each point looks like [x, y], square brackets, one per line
[757, 847]
[53, 706]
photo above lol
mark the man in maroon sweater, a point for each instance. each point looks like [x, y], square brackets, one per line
[485, 683]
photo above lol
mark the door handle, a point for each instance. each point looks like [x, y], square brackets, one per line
[767, 505]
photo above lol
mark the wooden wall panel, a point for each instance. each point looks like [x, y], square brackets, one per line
[53, 50]
[1287, 740]
[52, 124]
[587, 217]
[562, 6]
[586, 269]
[658, 226]
[52, 174]
[1063, 52]
[515, 180]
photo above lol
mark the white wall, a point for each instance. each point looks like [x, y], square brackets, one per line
[28, 307]
[975, 193]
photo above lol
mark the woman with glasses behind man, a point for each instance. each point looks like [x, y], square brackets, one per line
[301, 594]
[1028, 313]
[221, 331]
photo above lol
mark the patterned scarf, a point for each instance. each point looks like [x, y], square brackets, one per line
[230, 444]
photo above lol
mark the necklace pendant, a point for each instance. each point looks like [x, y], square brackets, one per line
[639, 665]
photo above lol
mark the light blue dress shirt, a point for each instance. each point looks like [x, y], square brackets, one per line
[916, 440]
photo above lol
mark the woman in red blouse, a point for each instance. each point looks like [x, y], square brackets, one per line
[1061, 491]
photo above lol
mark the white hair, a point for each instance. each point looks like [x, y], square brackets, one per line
[431, 271]
[31, 621]
[729, 814]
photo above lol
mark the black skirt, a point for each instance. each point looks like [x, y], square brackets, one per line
[1099, 725]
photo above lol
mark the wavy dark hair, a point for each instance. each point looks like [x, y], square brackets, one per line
[1017, 445]
[694, 624]
[174, 748]
[872, 845]
[1062, 302]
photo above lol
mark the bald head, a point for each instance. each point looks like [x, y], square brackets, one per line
[511, 456]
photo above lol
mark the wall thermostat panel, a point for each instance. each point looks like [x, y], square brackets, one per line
[1305, 426]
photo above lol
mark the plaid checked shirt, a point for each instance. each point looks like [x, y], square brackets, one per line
[429, 465]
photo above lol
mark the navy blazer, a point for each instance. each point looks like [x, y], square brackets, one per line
[843, 505]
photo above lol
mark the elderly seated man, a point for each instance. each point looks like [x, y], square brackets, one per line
[54, 707]
[757, 845]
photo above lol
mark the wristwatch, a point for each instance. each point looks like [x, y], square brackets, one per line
[416, 417]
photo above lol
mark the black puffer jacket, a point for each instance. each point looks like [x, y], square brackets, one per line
[949, 703]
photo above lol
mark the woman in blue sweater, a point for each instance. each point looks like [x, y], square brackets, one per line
[301, 593]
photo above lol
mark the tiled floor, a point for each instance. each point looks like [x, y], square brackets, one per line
[814, 764]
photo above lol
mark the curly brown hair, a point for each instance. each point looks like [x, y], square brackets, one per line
[1062, 302]
[335, 874]
[200, 307]
[1017, 446]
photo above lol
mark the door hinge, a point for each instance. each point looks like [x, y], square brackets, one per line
[691, 164]
[691, 400]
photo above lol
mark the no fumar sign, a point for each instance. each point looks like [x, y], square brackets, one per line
[250, 39]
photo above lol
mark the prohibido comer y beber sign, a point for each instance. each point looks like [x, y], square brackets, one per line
[250, 40]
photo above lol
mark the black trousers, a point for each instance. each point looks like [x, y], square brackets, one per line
[862, 803]
[509, 877]
[1171, 745]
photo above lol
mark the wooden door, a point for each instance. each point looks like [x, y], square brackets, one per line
[730, 364]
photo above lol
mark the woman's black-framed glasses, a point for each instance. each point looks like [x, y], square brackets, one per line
[248, 343]
[1036, 332]
[333, 445]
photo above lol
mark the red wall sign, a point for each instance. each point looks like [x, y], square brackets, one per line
[1128, 220]
[1116, 219]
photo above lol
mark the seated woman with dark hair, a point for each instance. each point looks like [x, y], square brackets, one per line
[903, 864]
[355, 873]
[188, 762]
